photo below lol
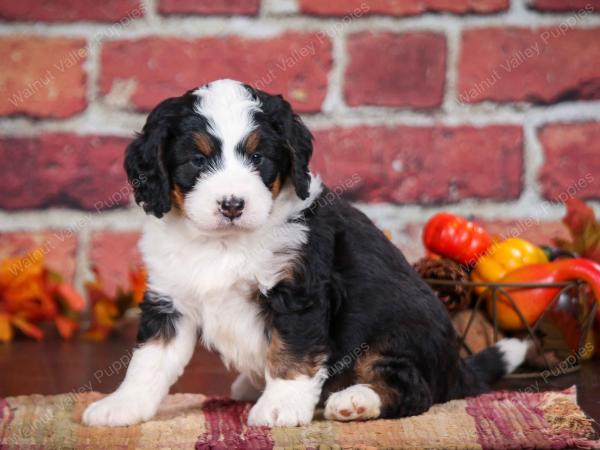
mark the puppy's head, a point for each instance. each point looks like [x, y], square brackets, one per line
[219, 154]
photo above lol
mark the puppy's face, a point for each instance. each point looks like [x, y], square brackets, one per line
[220, 155]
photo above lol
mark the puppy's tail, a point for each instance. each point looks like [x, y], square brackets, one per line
[484, 368]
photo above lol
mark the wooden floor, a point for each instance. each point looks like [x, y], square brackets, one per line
[54, 366]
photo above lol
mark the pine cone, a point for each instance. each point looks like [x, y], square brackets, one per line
[455, 296]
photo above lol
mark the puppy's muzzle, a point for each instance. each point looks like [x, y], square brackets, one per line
[231, 207]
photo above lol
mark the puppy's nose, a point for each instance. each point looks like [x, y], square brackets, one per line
[231, 207]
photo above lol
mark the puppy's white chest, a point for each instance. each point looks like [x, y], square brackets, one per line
[217, 284]
[233, 326]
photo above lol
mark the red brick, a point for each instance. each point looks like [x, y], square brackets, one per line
[58, 248]
[399, 8]
[422, 164]
[114, 254]
[515, 64]
[209, 7]
[62, 170]
[42, 76]
[572, 160]
[70, 10]
[389, 69]
[294, 64]
[585, 6]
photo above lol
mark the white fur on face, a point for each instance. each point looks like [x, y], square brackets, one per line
[228, 107]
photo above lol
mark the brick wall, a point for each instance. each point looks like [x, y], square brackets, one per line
[486, 107]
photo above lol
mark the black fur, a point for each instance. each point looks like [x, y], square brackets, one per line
[146, 156]
[289, 132]
[159, 318]
[355, 290]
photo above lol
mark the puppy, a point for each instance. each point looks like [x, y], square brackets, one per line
[293, 287]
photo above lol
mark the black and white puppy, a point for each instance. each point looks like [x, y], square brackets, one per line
[296, 289]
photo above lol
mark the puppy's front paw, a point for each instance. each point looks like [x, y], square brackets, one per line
[278, 411]
[119, 409]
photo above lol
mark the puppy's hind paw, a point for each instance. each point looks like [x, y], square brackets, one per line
[358, 402]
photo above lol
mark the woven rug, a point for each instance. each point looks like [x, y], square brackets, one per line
[499, 420]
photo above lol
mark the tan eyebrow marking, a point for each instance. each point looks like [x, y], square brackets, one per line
[252, 141]
[203, 143]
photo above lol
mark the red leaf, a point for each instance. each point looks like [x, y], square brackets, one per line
[579, 216]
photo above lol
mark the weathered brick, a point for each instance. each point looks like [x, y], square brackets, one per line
[294, 64]
[71, 10]
[584, 6]
[62, 170]
[42, 76]
[208, 7]
[421, 164]
[572, 160]
[58, 248]
[400, 8]
[389, 69]
[113, 254]
[540, 65]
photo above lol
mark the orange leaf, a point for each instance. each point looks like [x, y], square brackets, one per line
[71, 297]
[105, 313]
[28, 328]
[6, 331]
[96, 334]
[66, 327]
[19, 270]
[137, 278]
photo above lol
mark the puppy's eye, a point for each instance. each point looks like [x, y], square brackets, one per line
[199, 161]
[256, 158]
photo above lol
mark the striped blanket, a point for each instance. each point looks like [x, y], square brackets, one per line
[499, 420]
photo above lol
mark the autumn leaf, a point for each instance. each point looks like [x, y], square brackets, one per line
[108, 310]
[27, 328]
[71, 297]
[30, 294]
[579, 216]
[6, 332]
[66, 327]
[584, 229]
[137, 278]
[97, 334]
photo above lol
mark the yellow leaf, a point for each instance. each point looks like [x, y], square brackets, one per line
[6, 331]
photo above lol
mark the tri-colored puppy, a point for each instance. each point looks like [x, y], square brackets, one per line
[296, 289]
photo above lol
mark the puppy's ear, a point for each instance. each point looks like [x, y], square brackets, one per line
[145, 161]
[295, 135]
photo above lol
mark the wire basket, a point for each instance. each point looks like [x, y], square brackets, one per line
[575, 293]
